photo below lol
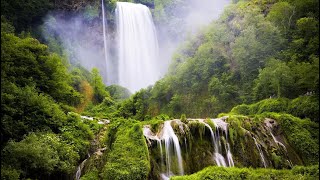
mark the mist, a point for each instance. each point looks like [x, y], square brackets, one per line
[186, 20]
[82, 38]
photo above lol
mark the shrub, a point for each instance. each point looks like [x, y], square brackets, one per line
[39, 155]
[183, 118]
[305, 107]
[128, 157]
[214, 172]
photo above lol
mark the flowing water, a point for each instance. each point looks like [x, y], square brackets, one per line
[170, 139]
[260, 152]
[138, 49]
[269, 124]
[104, 26]
[220, 160]
[80, 167]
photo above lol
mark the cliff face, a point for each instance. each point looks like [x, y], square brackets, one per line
[229, 141]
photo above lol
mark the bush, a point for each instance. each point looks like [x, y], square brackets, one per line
[241, 109]
[221, 173]
[77, 133]
[25, 110]
[39, 155]
[9, 173]
[183, 118]
[129, 156]
[272, 105]
[305, 107]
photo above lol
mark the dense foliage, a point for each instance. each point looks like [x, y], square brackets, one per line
[259, 59]
[128, 157]
[213, 172]
[302, 106]
[250, 53]
[39, 139]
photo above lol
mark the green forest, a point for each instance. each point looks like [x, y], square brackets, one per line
[255, 67]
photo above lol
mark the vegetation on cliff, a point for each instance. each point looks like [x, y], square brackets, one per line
[259, 60]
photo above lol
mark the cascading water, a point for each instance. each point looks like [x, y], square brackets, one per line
[104, 26]
[269, 124]
[190, 135]
[138, 46]
[80, 167]
[260, 152]
[216, 140]
[171, 141]
[170, 137]
[220, 124]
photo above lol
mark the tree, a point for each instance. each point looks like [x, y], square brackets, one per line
[275, 79]
[282, 15]
[39, 155]
[99, 88]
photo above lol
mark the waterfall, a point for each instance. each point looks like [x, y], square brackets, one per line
[170, 141]
[138, 46]
[104, 24]
[221, 124]
[216, 141]
[80, 167]
[269, 124]
[170, 137]
[260, 152]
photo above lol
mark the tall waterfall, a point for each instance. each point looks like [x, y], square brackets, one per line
[104, 33]
[138, 46]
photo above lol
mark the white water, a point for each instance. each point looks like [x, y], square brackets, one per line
[270, 125]
[149, 134]
[170, 137]
[221, 124]
[219, 159]
[171, 141]
[138, 46]
[260, 152]
[104, 23]
[87, 117]
[78, 173]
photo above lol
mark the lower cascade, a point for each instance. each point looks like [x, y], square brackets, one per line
[172, 158]
[177, 146]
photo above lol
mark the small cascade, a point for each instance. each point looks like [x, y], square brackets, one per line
[80, 167]
[221, 124]
[149, 134]
[219, 159]
[170, 137]
[260, 152]
[269, 124]
[170, 141]
[161, 153]
[172, 150]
